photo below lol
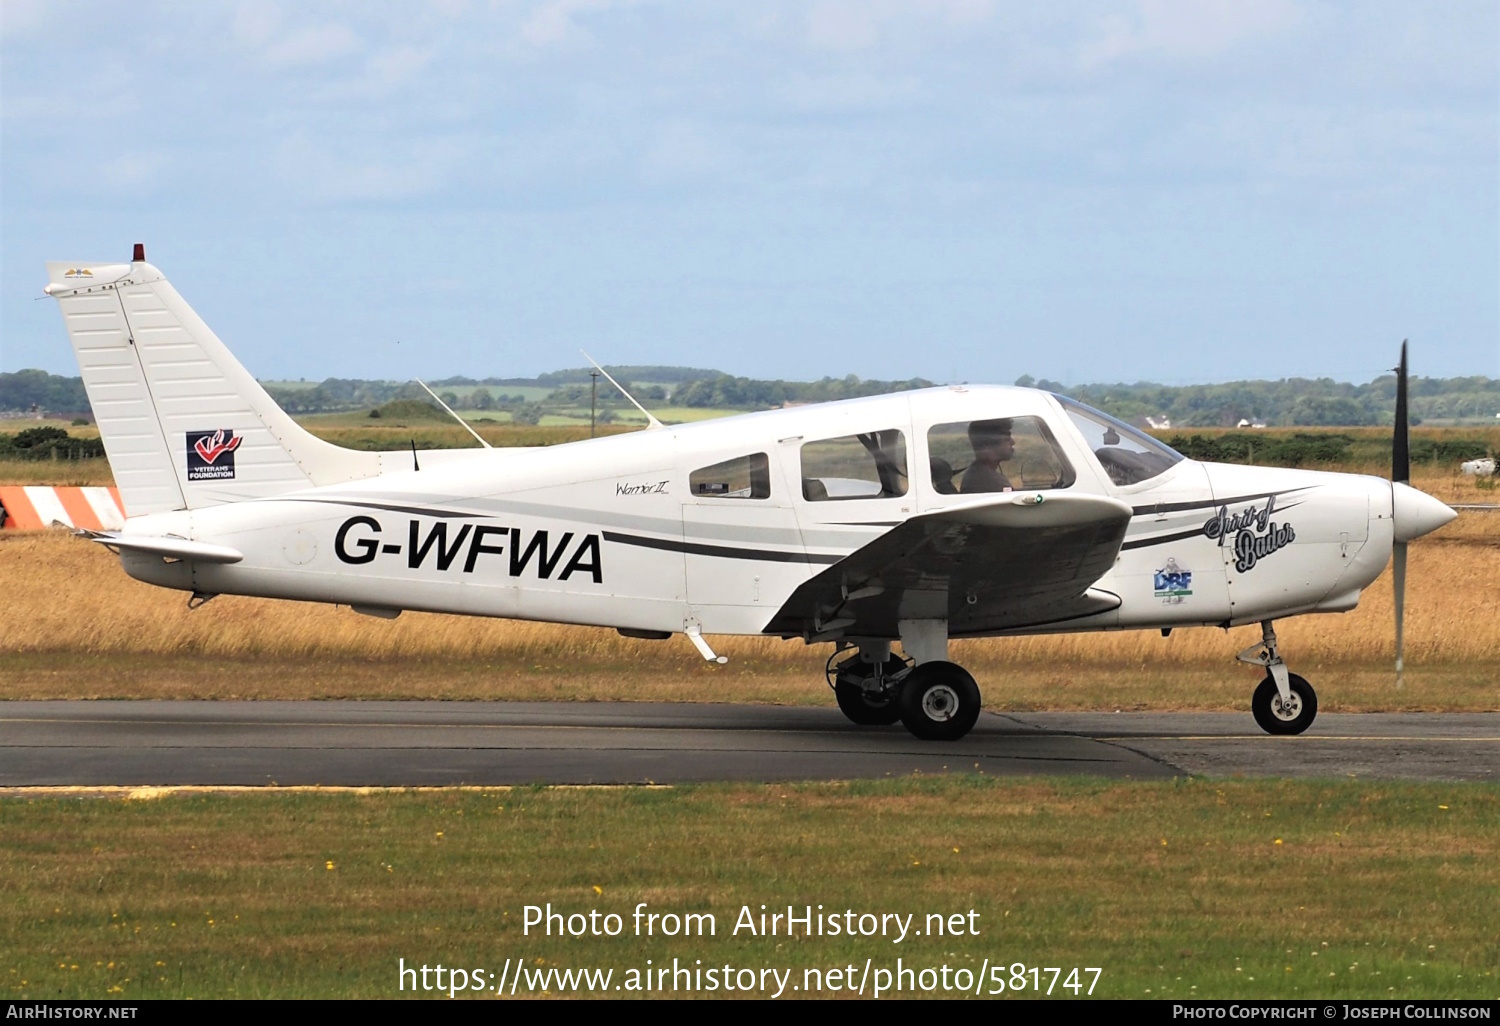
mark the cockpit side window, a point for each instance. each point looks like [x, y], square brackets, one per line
[746, 477]
[866, 466]
[1128, 456]
[996, 455]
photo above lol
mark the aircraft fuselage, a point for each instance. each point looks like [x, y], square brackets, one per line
[619, 531]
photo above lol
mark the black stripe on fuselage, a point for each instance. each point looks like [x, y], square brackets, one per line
[1145, 543]
[420, 511]
[721, 551]
[1179, 507]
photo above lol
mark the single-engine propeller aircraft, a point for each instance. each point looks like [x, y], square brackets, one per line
[950, 512]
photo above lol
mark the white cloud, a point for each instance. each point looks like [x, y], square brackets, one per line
[314, 172]
[851, 25]
[681, 150]
[390, 68]
[255, 22]
[1187, 30]
[20, 16]
[553, 23]
[136, 170]
[845, 24]
[848, 93]
[317, 45]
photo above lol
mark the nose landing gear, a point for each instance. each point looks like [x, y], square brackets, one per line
[1283, 703]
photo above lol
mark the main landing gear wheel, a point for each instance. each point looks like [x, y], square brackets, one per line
[868, 707]
[939, 702]
[1276, 717]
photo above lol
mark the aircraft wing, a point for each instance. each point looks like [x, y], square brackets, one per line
[1004, 561]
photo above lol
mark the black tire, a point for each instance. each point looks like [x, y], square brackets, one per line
[868, 708]
[1273, 718]
[939, 702]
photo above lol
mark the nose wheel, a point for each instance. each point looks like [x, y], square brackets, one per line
[1290, 716]
[1283, 703]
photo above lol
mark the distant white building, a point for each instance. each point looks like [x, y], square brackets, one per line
[1158, 425]
[1257, 424]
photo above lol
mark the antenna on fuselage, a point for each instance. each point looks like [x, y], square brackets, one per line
[455, 416]
[651, 422]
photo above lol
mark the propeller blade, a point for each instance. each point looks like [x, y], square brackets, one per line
[1398, 568]
[1401, 443]
[1400, 473]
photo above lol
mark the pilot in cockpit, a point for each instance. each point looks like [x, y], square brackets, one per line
[993, 445]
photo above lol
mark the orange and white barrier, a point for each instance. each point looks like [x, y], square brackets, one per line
[31, 507]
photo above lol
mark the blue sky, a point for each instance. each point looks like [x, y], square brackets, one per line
[964, 190]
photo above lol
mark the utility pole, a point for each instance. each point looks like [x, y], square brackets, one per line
[593, 398]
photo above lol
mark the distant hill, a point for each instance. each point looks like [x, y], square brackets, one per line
[1289, 402]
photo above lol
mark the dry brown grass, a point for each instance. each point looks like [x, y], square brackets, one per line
[56, 472]
[76, 626]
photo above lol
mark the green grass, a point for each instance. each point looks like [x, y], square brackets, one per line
[1200, 888]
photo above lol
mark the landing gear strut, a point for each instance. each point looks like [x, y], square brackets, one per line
[868, 683]
[936, 700]
[1284, 703]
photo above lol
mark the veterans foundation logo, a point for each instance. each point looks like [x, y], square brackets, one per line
[210, 455]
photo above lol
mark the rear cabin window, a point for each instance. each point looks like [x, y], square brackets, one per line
[745, 477]
[996, 455]
[867, 466]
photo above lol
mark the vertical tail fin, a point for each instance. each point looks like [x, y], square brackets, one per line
[183, 423]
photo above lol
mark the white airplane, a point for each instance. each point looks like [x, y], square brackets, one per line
[918, 517]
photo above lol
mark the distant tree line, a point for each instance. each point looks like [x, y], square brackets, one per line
[1301, 449]
[623, 373]
[21, 390]
[1290, 402]
[750, 393]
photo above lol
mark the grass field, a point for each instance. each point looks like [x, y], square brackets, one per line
[1188, 889]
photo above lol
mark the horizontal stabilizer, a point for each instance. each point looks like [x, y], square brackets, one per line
[170, 548]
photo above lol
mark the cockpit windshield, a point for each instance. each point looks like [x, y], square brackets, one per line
[1128, 456]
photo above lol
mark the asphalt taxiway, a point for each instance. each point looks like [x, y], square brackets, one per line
[395, 744]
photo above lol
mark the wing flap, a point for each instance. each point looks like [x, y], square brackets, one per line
[995, 564]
